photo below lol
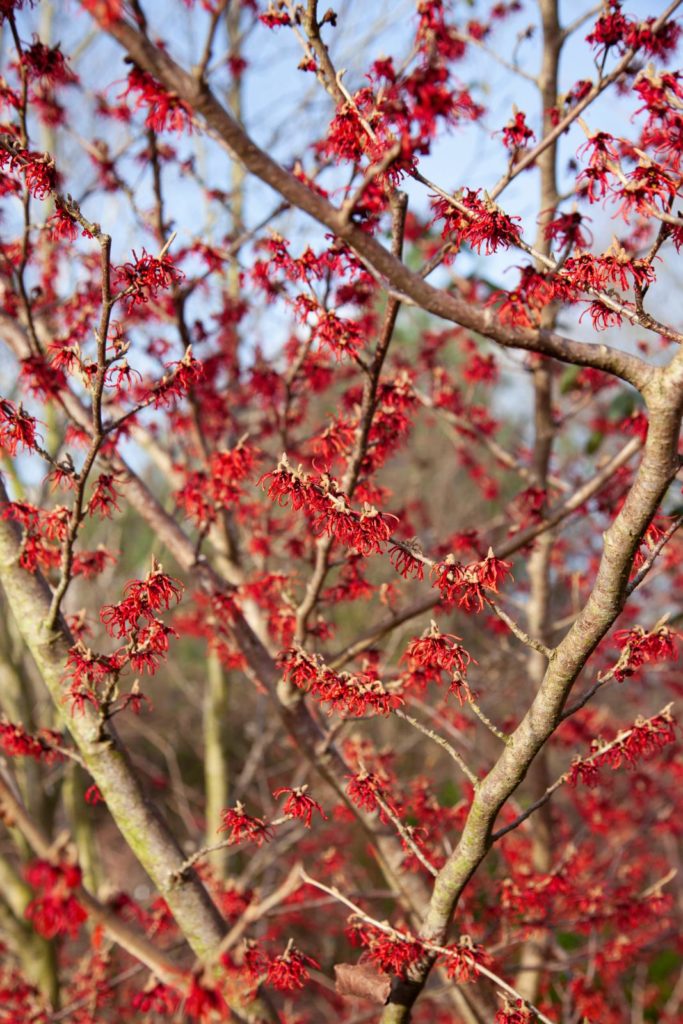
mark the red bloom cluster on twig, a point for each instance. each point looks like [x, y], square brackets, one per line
[289, 971]
[299, 804]
[639, 647]
[17, 742]
[467, 584]
[55, 911]
[17, 428]
[143, 277]
[643, 740]
[243, 827]
[347, 694]
[366, 530]
[165, 110]
[435, 649]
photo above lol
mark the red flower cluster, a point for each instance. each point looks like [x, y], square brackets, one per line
[391, 952]
[156, 998]
[38, 170]
[643, 740]
[144, 277]
[298, 804]
[366, 530]
[204, 1002]
[43, 533]
[55, 911]
[17, 742]
[204, 493]
[134, 618]
[435, 649]
[47, 63]
[406, 561]
[514, 1013]
[347, 694]
[363, 789]
[16, 428]
[241, 826]
[480, 222]
[289, 971]
[639, 648]
[275, 17]
[467, 584]
[464, 959]
[614, 30]
[144, 597]
[517, 134]
[165, 110]
[103, 497]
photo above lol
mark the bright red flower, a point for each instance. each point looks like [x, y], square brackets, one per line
[298, 804]
[242, 827]
[289, 971]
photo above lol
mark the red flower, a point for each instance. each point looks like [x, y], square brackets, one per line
[150, 646]
[489, 228]
[103, 497]
[16, 428]
[144, 276]
[274, 18]
[49, 63]
[363, 788]
[156, 591]
[299, 805]
[299, 667]
[612, 29]
[390, 952]
[639, 647]
[287, 484]
[460, 688]
[289, 971]
[517, 134]
[491, 571]
[514, 1013]
[405, 562]
[88, 669]
[156, 998]
[643, 740]
[440, 650]
[242, 826]
[16, 742]
[55, 911]
[203, 1002]
[566, 230]
[165, 110]
[464, 959]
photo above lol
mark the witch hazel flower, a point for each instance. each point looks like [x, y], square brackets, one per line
[366, 530]
[468, 584]
[345, 693]
[143, 277]
[298, 804]
[241, 826]
[639, 647]
[438, 650]
[143, 598]
[643, 740]
[165, 110]
[289, 971]
[54, 910]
